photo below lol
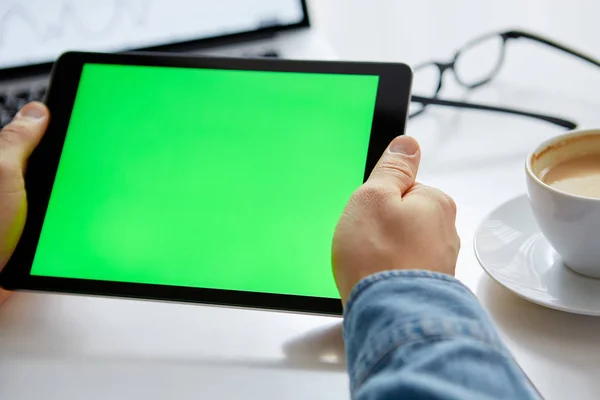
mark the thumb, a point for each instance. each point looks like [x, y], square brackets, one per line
[397, 167]
[19, 138]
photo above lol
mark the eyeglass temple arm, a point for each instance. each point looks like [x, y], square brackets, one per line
[551, 43]
[459, 104]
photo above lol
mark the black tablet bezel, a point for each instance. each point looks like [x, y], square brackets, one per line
[389, 120]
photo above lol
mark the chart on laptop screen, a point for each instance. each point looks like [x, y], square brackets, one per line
[35, 31]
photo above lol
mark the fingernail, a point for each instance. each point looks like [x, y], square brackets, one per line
[404, 145]
[33, 111]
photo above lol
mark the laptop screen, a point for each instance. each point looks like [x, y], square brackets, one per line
[37, 31]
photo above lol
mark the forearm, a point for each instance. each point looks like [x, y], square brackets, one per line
[417, 334]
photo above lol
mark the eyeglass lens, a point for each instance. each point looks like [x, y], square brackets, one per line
[475, 63]
[478, 62]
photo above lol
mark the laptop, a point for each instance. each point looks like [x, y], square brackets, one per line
[33, 33]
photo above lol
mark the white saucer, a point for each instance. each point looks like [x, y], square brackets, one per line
[512, 250]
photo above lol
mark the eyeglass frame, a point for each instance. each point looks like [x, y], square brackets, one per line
[505, 36]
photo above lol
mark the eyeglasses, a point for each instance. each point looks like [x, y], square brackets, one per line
[474, 65]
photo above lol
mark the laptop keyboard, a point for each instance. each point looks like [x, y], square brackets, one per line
[11, 102]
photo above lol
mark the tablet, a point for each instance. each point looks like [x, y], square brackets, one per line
[216, 181]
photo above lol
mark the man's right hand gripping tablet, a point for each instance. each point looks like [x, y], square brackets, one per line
[411, 330]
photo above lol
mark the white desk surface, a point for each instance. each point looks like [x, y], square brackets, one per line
[54, 346]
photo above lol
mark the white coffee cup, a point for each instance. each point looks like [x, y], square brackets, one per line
[571, 223]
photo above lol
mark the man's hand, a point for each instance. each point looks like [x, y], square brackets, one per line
[393, 223]
[17, 141]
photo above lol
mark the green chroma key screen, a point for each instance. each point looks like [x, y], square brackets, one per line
[223, 179]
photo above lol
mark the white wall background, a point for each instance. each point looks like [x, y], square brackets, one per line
[413, 30]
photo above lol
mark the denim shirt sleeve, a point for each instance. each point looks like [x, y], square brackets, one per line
[423, 335]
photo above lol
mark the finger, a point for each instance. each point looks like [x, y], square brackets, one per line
[22, 134]
[397, 168]
[419, 191]
[4, 294]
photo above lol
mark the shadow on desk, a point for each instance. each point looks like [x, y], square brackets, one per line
[557, 337]
[32, 329]
[323, 346]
